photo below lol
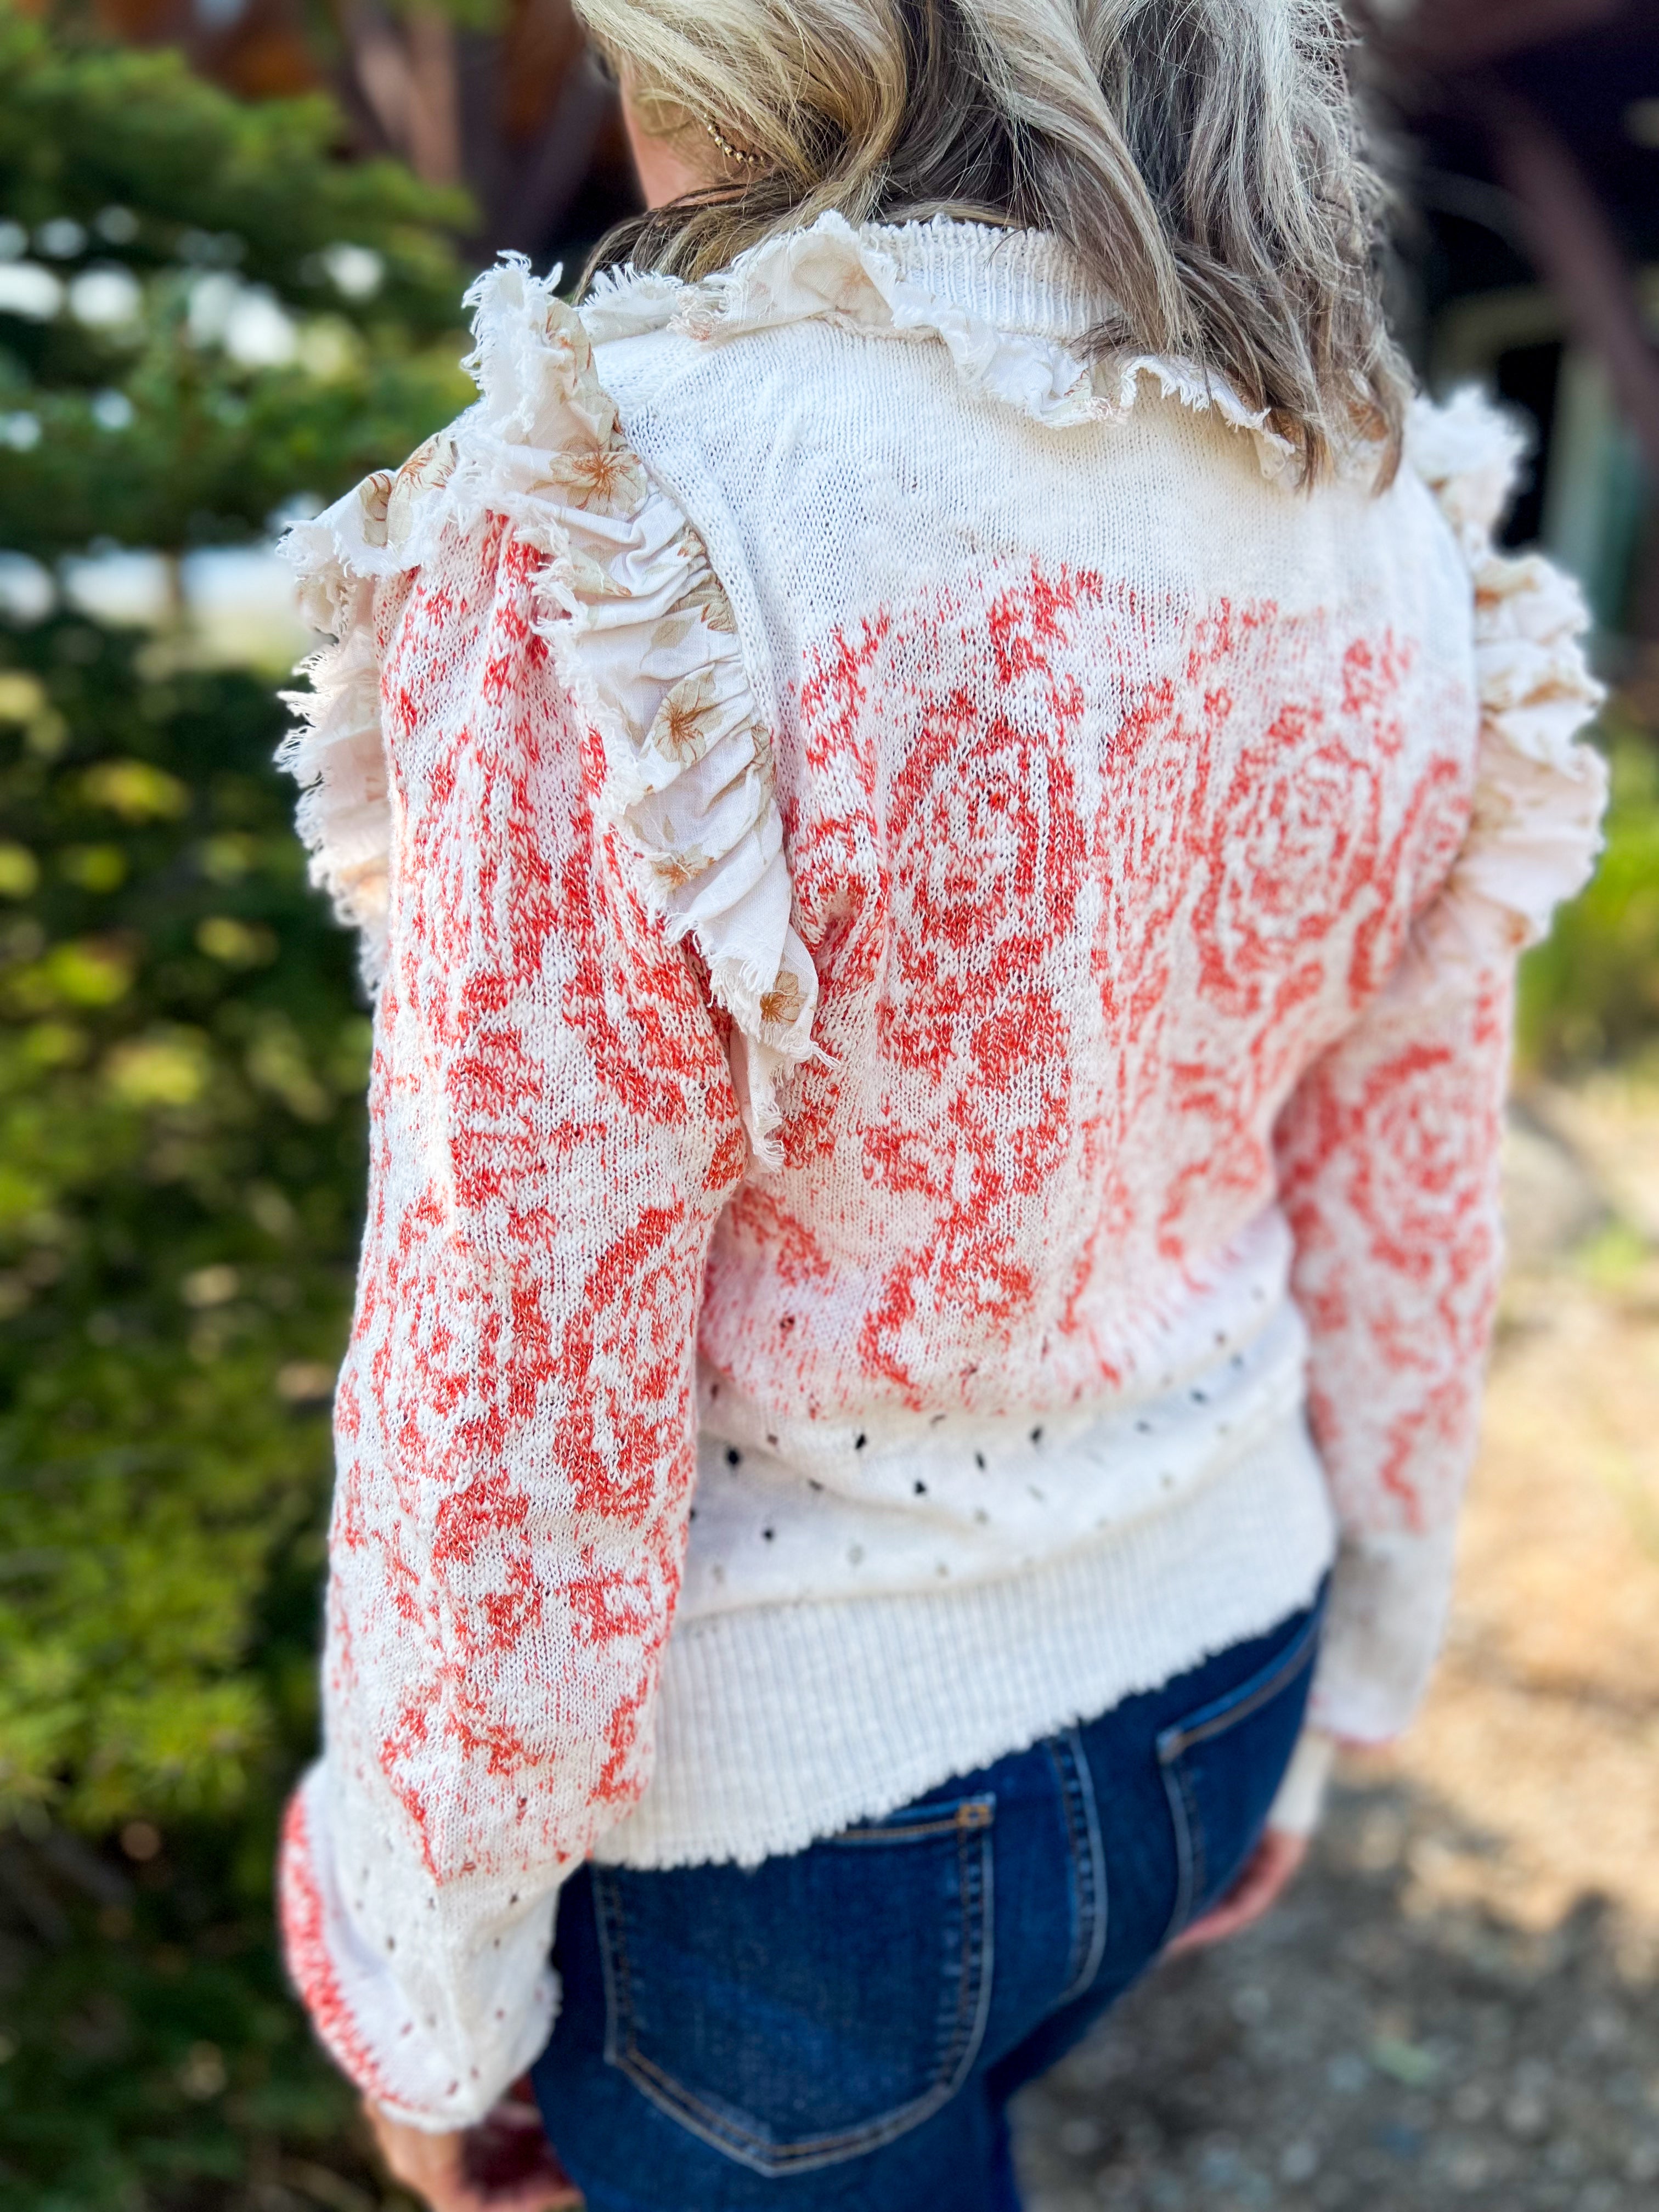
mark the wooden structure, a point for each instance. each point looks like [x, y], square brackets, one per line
[1534, 262]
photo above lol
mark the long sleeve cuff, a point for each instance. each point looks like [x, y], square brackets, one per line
[433, 2021]
[1296, 1809]
[1391, 1594]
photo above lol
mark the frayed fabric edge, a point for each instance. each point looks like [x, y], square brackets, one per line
[1540, 791]
[830, 271]
[681, 736]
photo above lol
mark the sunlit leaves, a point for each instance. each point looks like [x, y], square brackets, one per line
[234, 322]
[203, 310]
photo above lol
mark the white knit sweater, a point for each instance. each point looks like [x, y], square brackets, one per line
[944, 941]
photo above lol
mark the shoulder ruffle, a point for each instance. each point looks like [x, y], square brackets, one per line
[336, 754]
[831, 273]
[1540, 792]
[644, 639]
[1468, 452]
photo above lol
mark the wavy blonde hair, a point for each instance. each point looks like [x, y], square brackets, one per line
[1202, 158]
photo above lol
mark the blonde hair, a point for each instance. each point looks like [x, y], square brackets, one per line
[1201, 158]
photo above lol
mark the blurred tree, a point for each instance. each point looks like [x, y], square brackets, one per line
[1591, 992]
[497, 93]
[214, 313]
[203, 312]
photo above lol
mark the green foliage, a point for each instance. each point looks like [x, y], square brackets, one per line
[1592, 990]
[153, 2057]
[181, 1156]
[239, 316]
[182, 1055]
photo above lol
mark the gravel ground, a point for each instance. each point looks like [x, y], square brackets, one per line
[1459, 2005]
[1364, 2051]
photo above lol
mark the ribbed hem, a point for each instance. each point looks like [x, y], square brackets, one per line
[783, 1723]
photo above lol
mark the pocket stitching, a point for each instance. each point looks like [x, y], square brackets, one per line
[613, 1957]
[1082, 1818]
[960, 2049]
[1173, 1742]
[969, 1813]
[1189, 1846]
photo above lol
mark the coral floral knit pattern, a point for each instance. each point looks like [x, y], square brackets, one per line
[913, 1020]
[1070, 966]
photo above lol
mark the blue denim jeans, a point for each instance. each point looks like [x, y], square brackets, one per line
[843, 2027]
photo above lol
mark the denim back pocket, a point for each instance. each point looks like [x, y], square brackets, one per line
[816, 2006]
[1222, 1766]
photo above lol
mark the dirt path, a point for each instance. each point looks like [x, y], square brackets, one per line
[1460, 2006]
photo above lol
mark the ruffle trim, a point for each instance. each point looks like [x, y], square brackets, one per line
[831, 273]
[643, 637]
[336, 753]
[1540, 793]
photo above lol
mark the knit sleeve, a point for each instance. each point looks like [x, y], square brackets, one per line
[532, 766]
[1388, 1152]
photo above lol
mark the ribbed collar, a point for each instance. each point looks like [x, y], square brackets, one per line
[1009, 306]
[1027, 283]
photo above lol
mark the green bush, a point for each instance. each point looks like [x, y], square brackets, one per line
[178, 423]
[180, 1131]
[182, 1053]
[1591, 992]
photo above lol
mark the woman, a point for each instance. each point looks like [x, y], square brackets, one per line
[942, 832]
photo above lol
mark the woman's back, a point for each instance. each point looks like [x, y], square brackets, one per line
[1112, 768]
[944, 903]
